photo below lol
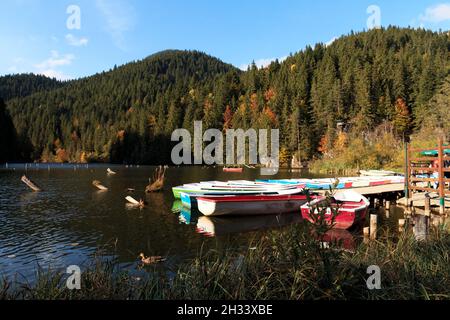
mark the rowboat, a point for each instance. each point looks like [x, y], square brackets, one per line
[250, 205]
[233, 170]
[227, 189]
[189, 200]
[343, 183]
[376, 173]
[352, 209]
[285, 181]
[110, 172]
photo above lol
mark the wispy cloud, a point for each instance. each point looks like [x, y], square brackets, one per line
[330, 42]
[56, 60]
[262, 63]
[120, 17]
[75, 41]
[56, 74]
[49, 67]
[436, 14]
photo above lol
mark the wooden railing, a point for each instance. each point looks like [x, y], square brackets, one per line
[424, 165]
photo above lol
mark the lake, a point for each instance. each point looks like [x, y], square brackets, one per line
[69, 222]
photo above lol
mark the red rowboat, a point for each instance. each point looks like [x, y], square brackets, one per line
[351, 210]
[235, 170]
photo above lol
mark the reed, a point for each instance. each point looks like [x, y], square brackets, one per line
[287, 264]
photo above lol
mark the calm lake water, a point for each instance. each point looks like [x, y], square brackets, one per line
[70, 221]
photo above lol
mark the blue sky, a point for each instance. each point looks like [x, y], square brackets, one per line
[35, 35]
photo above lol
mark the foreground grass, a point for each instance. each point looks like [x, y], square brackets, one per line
[287, 264]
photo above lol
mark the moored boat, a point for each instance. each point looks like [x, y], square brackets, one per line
[228, 189]
[250, 205]
[376, 173]
[351, 209]
[189, 200]
[233, 170]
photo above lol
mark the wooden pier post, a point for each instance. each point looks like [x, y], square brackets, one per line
[373, 226]
[420, 229]
[427, 204]
[366, 232]
[30, 184]
[372, 202]
[401, 225]
[441, 177]
[376, 202]
[407, 172]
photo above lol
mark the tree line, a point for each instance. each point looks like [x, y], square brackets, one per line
[127, 114]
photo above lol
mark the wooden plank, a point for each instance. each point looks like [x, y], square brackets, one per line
[441, 168]
[30, 184]
[424, 180]
[397, 187]
[408, 170]
[419, 150]
[422, 189]
[424, 170]
[428, 159]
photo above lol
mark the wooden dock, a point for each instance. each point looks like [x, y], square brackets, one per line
[425, 169]
[376, 190]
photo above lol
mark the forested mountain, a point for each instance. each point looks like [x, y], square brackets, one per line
[7, 136]
[22, 85]
[121, 115]
[129, 113]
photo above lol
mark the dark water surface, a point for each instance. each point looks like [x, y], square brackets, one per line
[70, 220]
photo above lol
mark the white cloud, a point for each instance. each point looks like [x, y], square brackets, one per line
[55, 74]
[120, 17]
[49, 66]
[331, 41]
[436, 14]
[56, 60]
[76, 42]
[262, 63]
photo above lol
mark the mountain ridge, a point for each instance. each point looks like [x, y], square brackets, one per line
[127, 114]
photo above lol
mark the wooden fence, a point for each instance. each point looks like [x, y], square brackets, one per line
[427, 165]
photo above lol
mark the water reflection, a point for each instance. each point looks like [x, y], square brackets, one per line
[215, 226]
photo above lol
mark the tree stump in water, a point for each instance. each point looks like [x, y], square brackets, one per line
[157, 182]
[30, 184]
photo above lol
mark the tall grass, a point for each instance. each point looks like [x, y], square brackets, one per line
[287, 264]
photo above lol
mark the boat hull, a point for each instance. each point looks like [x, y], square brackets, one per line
[253, 205]
[349, 214]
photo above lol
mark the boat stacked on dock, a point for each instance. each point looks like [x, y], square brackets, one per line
[340, 183]
[217, 188]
